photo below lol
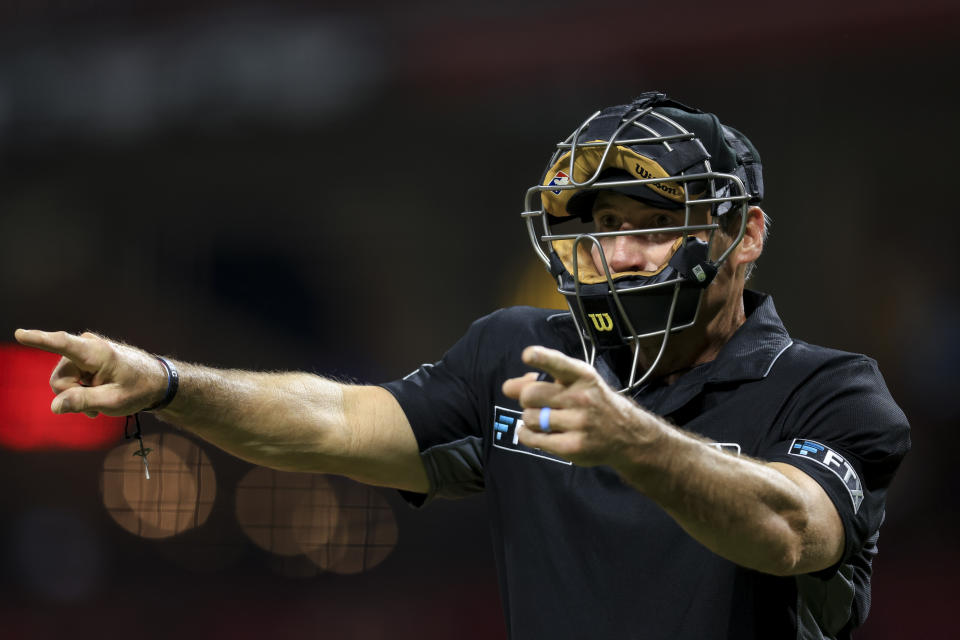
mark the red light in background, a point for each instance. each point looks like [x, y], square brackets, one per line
[26, 422]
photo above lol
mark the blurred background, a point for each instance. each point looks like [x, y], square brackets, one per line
[336, 187]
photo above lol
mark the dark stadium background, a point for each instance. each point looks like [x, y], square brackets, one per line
[335, 187]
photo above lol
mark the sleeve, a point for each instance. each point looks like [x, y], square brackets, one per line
[442, 403]
[843, 429]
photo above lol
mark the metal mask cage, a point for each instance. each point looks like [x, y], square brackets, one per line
[725, 194]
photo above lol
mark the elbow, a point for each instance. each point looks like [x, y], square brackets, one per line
[787, 547]
[804, 543]
[787, 562]
[804, 530]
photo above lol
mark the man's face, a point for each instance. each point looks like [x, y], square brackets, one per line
[643, 252]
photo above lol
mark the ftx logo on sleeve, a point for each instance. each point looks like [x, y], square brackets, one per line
[835, 462]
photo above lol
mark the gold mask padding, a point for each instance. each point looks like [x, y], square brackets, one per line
[585, 166]
[587, 270]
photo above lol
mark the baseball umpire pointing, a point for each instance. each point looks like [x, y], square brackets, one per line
[661, 460]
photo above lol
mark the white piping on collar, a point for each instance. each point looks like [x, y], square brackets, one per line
[777, 357]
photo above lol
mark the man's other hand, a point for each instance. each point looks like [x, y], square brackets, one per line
[589, 423]
[96, 375]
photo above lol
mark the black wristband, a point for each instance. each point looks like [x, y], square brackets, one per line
[173, 383]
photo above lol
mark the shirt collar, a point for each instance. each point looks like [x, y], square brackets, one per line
[756, 345]
[749, 355]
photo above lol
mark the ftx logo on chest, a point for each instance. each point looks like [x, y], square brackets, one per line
[506, 435]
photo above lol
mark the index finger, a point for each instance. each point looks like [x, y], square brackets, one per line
[59, 342]
[563, 368]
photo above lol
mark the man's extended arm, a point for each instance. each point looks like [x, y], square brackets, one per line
[290, 421]
[769, 517]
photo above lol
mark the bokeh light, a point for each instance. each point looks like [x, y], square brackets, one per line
[365, 535]
[178, 496]
[267, 500]
[341, 526]
[534, 286]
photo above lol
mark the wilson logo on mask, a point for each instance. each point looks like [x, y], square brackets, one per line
[602, 321]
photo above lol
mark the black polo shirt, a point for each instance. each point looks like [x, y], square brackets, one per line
[582, 554]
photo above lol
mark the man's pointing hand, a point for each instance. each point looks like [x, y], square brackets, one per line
[96, 375]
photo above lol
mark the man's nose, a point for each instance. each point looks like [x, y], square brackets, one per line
[631, 253]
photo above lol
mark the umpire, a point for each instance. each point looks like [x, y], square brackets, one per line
[661, 460]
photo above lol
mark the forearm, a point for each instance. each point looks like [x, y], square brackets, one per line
[292, 421]
[766, 516]
[739, 508]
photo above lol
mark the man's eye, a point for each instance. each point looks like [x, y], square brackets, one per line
[662, 221]
[608, 222]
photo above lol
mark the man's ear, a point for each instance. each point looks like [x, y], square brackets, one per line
[752, 244]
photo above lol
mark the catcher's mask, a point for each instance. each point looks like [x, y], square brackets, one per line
[668, 156]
